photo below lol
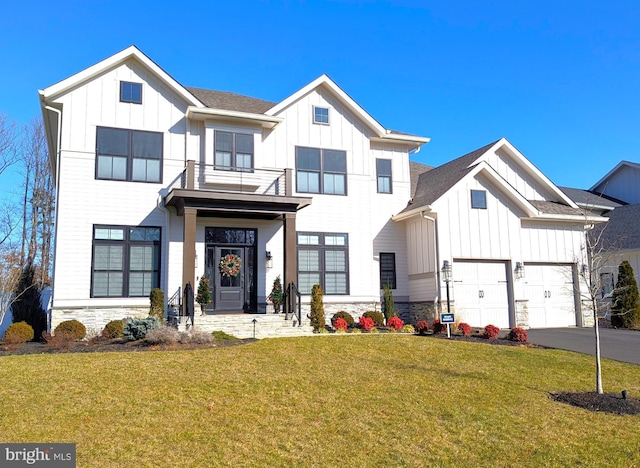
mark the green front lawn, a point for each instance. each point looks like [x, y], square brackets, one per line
[351, 400]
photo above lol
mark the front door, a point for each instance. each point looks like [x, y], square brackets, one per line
[227, 268]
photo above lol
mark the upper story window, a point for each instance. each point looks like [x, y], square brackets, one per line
[131, 155]
[383, 171]
[131, 92]
[233, 151]
[321, 115]
[321, 171]
[479, 199]
[126, 261]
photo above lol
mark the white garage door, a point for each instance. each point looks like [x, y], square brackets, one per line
[549, 290]
[480, 293]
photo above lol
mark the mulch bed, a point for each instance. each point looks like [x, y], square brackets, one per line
[606, 402]
[102, 345]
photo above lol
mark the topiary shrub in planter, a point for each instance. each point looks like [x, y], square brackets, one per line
[439, 328]
[113, 329]
[18, 333]
[137, 328]
[395, 323]
[464, 329]
[343, 315]
[491, 332]
[377, 317]
[366, 323]
[340, 324]
[72, 329]
[422, 327]
[518, 334]
[408, 328]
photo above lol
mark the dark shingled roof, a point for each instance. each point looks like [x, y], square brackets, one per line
[586, 198]
[231, 101]
[415, 169]
[622, 231]
[435, 182]
[550, 207]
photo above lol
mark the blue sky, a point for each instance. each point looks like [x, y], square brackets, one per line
[559, 79]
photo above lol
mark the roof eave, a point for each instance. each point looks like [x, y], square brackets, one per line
[199, 113]
[410, 140]
[419, 211]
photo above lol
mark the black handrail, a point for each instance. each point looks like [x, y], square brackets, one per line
[293, 303]
[174, 308]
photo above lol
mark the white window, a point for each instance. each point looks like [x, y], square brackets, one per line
[321, 115]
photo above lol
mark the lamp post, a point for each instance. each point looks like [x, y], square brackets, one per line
[446, 276]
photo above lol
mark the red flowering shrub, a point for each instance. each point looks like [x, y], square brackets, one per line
[340, 324]
[438, 327]
[366, 323]
[518, 334]
[464, 328]
[395, 322]
[491, 332]
[422, 327]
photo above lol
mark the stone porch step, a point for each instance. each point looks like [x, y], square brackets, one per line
[241, 325]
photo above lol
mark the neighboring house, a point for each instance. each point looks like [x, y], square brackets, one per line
[617, 197]
[158, 184]
[514, 240]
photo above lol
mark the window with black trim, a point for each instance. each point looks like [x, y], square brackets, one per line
[606, 284]
[131, 92]
[321, 115]
[126, 261]
[479, 199]
[233, 151]
[387, 270]
[383, 172]
[321, 171]
[131, 155]
[323, 258]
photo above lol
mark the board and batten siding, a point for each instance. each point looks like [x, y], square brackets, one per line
[84, 201]
[510, 171]
[623, 185]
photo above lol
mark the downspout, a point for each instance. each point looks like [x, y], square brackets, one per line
[55, 250]
[436, 300]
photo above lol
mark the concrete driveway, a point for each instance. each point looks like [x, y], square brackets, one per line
[620, 345]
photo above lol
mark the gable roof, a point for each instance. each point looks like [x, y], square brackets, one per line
[231, 101]
[622, 231]
[620, 166]
[415, 169]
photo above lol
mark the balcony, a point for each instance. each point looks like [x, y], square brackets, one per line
[230, 192]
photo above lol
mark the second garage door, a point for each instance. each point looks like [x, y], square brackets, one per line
[481, 293]
[549, 290]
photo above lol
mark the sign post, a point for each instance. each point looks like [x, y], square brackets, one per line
[448, 319]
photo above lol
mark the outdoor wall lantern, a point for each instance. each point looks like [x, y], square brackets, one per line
[269, 259]
[446, 276]
[519, 271]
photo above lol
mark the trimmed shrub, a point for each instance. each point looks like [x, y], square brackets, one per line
[408, 328]
[73, 329]
[377, 317]
[163, 335]
[439, 328]
[625, 301]
[340, 324]
[156, 297]
[137, 328]
[464, 328]
[27, 306]
[422, 327]
[366, 323]
[518, 334]
[343, 315]
[113, 329]
[18, 333]
[387, 302]
[317, 309]
[395, 323]
[491, 332]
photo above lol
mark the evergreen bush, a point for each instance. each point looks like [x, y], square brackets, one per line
[18, 333]
[137, 328]
[156, 298]
[346, 316]
[625, 308]
[28, 307]
[317, 309]
[113, 329]
[72, 329]
[387, 304]
[377, 317]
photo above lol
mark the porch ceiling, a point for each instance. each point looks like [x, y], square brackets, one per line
[234, 205]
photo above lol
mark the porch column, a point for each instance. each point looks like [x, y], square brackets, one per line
[189, 247]
[290, 266]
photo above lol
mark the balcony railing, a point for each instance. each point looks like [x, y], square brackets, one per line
[215, 178]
